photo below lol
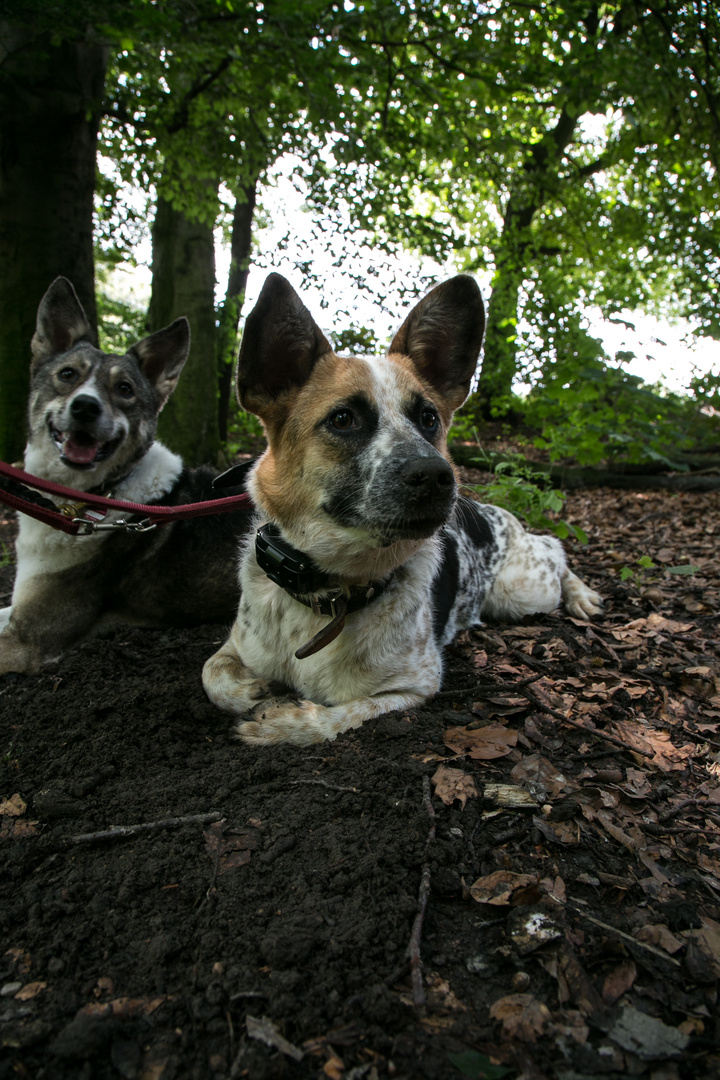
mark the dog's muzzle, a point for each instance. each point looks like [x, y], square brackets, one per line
[81, 440]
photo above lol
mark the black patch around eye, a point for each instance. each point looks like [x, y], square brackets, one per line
[425, 417]
[354, 417]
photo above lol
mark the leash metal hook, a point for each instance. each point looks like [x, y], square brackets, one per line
[87, 527]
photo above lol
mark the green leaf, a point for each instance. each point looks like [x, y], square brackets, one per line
[477, 1066]
[626, 573]
[685, 569]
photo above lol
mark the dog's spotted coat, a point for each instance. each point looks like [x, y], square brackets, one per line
[358, 477]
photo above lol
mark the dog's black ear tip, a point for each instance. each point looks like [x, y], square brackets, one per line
[275, 282]
[60, 288]
[467, 285]
[235, 476]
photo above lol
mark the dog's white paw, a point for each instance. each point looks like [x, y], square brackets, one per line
[299, 722]
[230, 685]
[580, 601]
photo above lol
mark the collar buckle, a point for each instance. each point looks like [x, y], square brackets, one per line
[327, 604]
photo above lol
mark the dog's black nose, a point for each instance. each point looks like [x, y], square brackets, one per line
[85, 408]
[428, 474]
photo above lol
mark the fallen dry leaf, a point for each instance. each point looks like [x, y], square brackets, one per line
[15, 806]
[14, 828]
[483, 743]
[498, 888]
[452, 784]
[230, 847]
[30, 990]
[124, 1008]
[646, 1036]
[644, 738]
[619, 981]
[541, 778]
[657, 934]
[334, 1066]
[522, 1016]
[636, 785]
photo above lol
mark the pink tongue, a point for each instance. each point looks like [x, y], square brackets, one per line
[80, 453]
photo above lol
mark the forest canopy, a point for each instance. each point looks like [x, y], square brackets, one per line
[568, 151]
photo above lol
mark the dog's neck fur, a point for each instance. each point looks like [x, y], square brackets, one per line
[344, 554]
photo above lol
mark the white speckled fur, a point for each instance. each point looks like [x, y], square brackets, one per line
[389, 655]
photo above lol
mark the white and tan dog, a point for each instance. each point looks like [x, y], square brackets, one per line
[360, 523]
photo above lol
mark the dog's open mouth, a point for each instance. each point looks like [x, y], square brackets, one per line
[81, 449]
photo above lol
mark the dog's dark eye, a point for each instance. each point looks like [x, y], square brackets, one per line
[342, 420]
[67, 374]
[125, 389]
[429, 418]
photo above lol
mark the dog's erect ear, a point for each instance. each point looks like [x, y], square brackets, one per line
[442, 336]
[61, 322]
[281, 344]
[161, 357]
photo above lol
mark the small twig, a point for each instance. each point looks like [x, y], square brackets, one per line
[332, 787]
[583, 727]
[413, 949]
[675, 830]
[486, 691]
[618, 933]
[117, 832]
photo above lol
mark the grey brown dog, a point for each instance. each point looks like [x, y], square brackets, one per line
[92, 418]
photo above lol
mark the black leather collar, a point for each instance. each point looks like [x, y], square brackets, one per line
[301, 579]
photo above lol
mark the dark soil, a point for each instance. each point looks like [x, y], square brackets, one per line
[148, 956]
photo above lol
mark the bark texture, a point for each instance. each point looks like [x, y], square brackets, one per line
[50, 99]
[183, 283]
[240, 249]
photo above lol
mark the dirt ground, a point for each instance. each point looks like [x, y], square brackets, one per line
[555, 811]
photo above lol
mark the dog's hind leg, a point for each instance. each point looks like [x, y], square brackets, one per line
[580, 600]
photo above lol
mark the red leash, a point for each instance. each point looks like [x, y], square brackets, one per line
[68, 517]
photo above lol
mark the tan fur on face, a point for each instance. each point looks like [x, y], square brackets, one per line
[304, 460]
[288, 482]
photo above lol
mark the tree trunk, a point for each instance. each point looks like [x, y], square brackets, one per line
[183, 283]
[499, 358]
[240, 249]
[50, 98]
[540, 176]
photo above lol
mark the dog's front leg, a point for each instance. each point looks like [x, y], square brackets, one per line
[304, 723]
[229, 684]
[52, 614]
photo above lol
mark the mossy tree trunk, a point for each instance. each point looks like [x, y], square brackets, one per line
[50, 97]
[240, 250]
[183, 283]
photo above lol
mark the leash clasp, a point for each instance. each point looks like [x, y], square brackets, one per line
[87, 527]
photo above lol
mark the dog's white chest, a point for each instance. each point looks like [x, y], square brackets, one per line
[381, 647]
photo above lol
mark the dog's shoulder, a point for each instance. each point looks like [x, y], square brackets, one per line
[473, 543]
